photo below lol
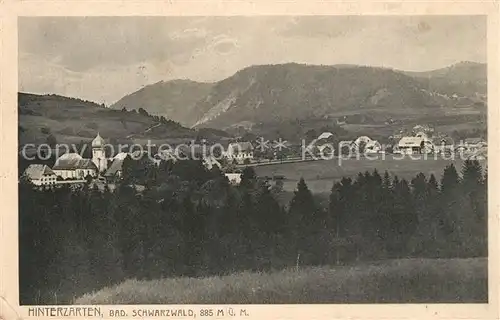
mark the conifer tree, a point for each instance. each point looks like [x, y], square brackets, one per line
[449, 180]
[386, 209]
[301, 212]
[248, 178]
[404, 219]
[472, 175]
[267, 215]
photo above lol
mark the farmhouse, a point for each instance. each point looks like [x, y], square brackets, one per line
[362, 140]
[115, 170]
[234, 178]
[326, 149]
[40, 175]
[325, 135]
[410, 145]
[474, 144]
[347, 146]
[240, 151]
[443, 144]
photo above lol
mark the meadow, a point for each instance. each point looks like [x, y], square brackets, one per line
[393, 281]
[320, 175]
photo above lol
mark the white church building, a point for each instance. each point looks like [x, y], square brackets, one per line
[73, 166]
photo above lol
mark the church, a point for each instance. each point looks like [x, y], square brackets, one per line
[73, 166]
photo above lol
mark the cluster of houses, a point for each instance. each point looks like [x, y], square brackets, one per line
[422, 140]
[70, 167]
[73, 168]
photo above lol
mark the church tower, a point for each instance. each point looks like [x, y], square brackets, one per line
[98, 154]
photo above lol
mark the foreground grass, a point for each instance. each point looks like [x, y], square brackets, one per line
[397, 281]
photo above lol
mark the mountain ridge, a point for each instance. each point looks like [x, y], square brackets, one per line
[281, 91]
[297, 90]
[174, 99]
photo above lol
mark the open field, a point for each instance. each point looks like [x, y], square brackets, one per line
[396, 281]
[320, 175]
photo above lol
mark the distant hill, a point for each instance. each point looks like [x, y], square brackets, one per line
[174, 100]
[465, 79]
[274, 93]
[263, 95]
[71, 120]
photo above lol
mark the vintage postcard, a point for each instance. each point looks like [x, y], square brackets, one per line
[249, 160]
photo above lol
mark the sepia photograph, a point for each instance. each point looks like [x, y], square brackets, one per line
[306, 159]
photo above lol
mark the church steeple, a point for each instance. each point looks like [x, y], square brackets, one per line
[98, 153]
[98, 142]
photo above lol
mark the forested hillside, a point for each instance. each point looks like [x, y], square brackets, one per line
[53, 118]
[191, 222]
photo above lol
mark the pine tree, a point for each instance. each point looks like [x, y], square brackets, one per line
[386, 210]
[450, 179]
[433, 184]
[472, 175]
[248, 178]
[341, 203]
[404, 218]
[425, 197]
[267, 216]
[386, 184]
[301, 212]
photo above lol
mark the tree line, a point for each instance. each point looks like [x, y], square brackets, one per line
[190, 221]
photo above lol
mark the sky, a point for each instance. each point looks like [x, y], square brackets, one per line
[105, 58]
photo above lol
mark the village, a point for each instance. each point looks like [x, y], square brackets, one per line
[103, 169]
[287, 157]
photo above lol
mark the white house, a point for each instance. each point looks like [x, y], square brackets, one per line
[40, 175]
[115, 170]
[443, 144]
[362, 139]
[347, 146]
[234, 178]
[325, 135]
[240, 151]
[411, 145]
[473, 145]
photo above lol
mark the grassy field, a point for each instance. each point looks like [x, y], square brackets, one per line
[396, 281]
[320, 175]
